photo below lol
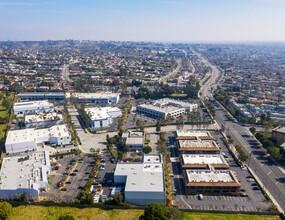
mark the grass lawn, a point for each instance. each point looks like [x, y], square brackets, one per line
[54, 212]
[178, 95]
[214, 216]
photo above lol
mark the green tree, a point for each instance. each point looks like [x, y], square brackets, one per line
[155, 212]
[147, 149]
[5, 210]
[66, 217]
[252, 130]
[158, 126]
[118, 198]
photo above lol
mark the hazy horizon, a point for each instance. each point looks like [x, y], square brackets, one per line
[167, 21]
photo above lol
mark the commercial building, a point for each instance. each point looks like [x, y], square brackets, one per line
[43, 120]
[197, 147]
[193, 135]
[28, 139]
[103, 98]
[278, 135]
[34, 107]
[102, 117]
[24, 174]
[144, 182]
[164, 108]
[31, 96]
[203, 161]
[134, 140]
[210, 181]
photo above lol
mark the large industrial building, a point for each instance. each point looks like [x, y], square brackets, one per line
[24, 174]
[102, 117]
[103, 98]
[210, 181]
[144, 182]
[33, 107]
[28, 139]
[31, 96]
[164, 108]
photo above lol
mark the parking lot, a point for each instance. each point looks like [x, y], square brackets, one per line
[75, 170]
[253, 200]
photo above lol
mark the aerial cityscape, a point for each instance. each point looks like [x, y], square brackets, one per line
[129, 122]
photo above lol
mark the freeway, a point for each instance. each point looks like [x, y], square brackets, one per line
[268, 172]
[214, 76]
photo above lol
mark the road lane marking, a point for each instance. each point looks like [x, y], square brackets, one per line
[269, 172]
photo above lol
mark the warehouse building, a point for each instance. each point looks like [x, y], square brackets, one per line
[278, 135]
[144, 182]
[103, 98]
[28, 139]
[203, 161]
[165, 108]
[210, 181]
[102, 117]
[32, 96]
[24, 174]
[34, 107]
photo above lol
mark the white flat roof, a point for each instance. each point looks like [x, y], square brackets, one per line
[43, 117]
[142, 177]
[32, 134]
[100, 113]
[197, 144]
[193, 133]
[24, 171]
[101, 95]
[34, 104]
[165, 109]
[209, 176]
[203, 159]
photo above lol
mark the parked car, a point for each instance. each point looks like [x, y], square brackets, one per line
[256, 188]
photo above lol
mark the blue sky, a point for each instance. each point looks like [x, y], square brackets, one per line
[143, 20]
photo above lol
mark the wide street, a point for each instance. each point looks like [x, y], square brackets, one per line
[269, 173]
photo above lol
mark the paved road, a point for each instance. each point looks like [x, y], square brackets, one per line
[212, 82]
[175, 71]
[270, 174]
[65, 73]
